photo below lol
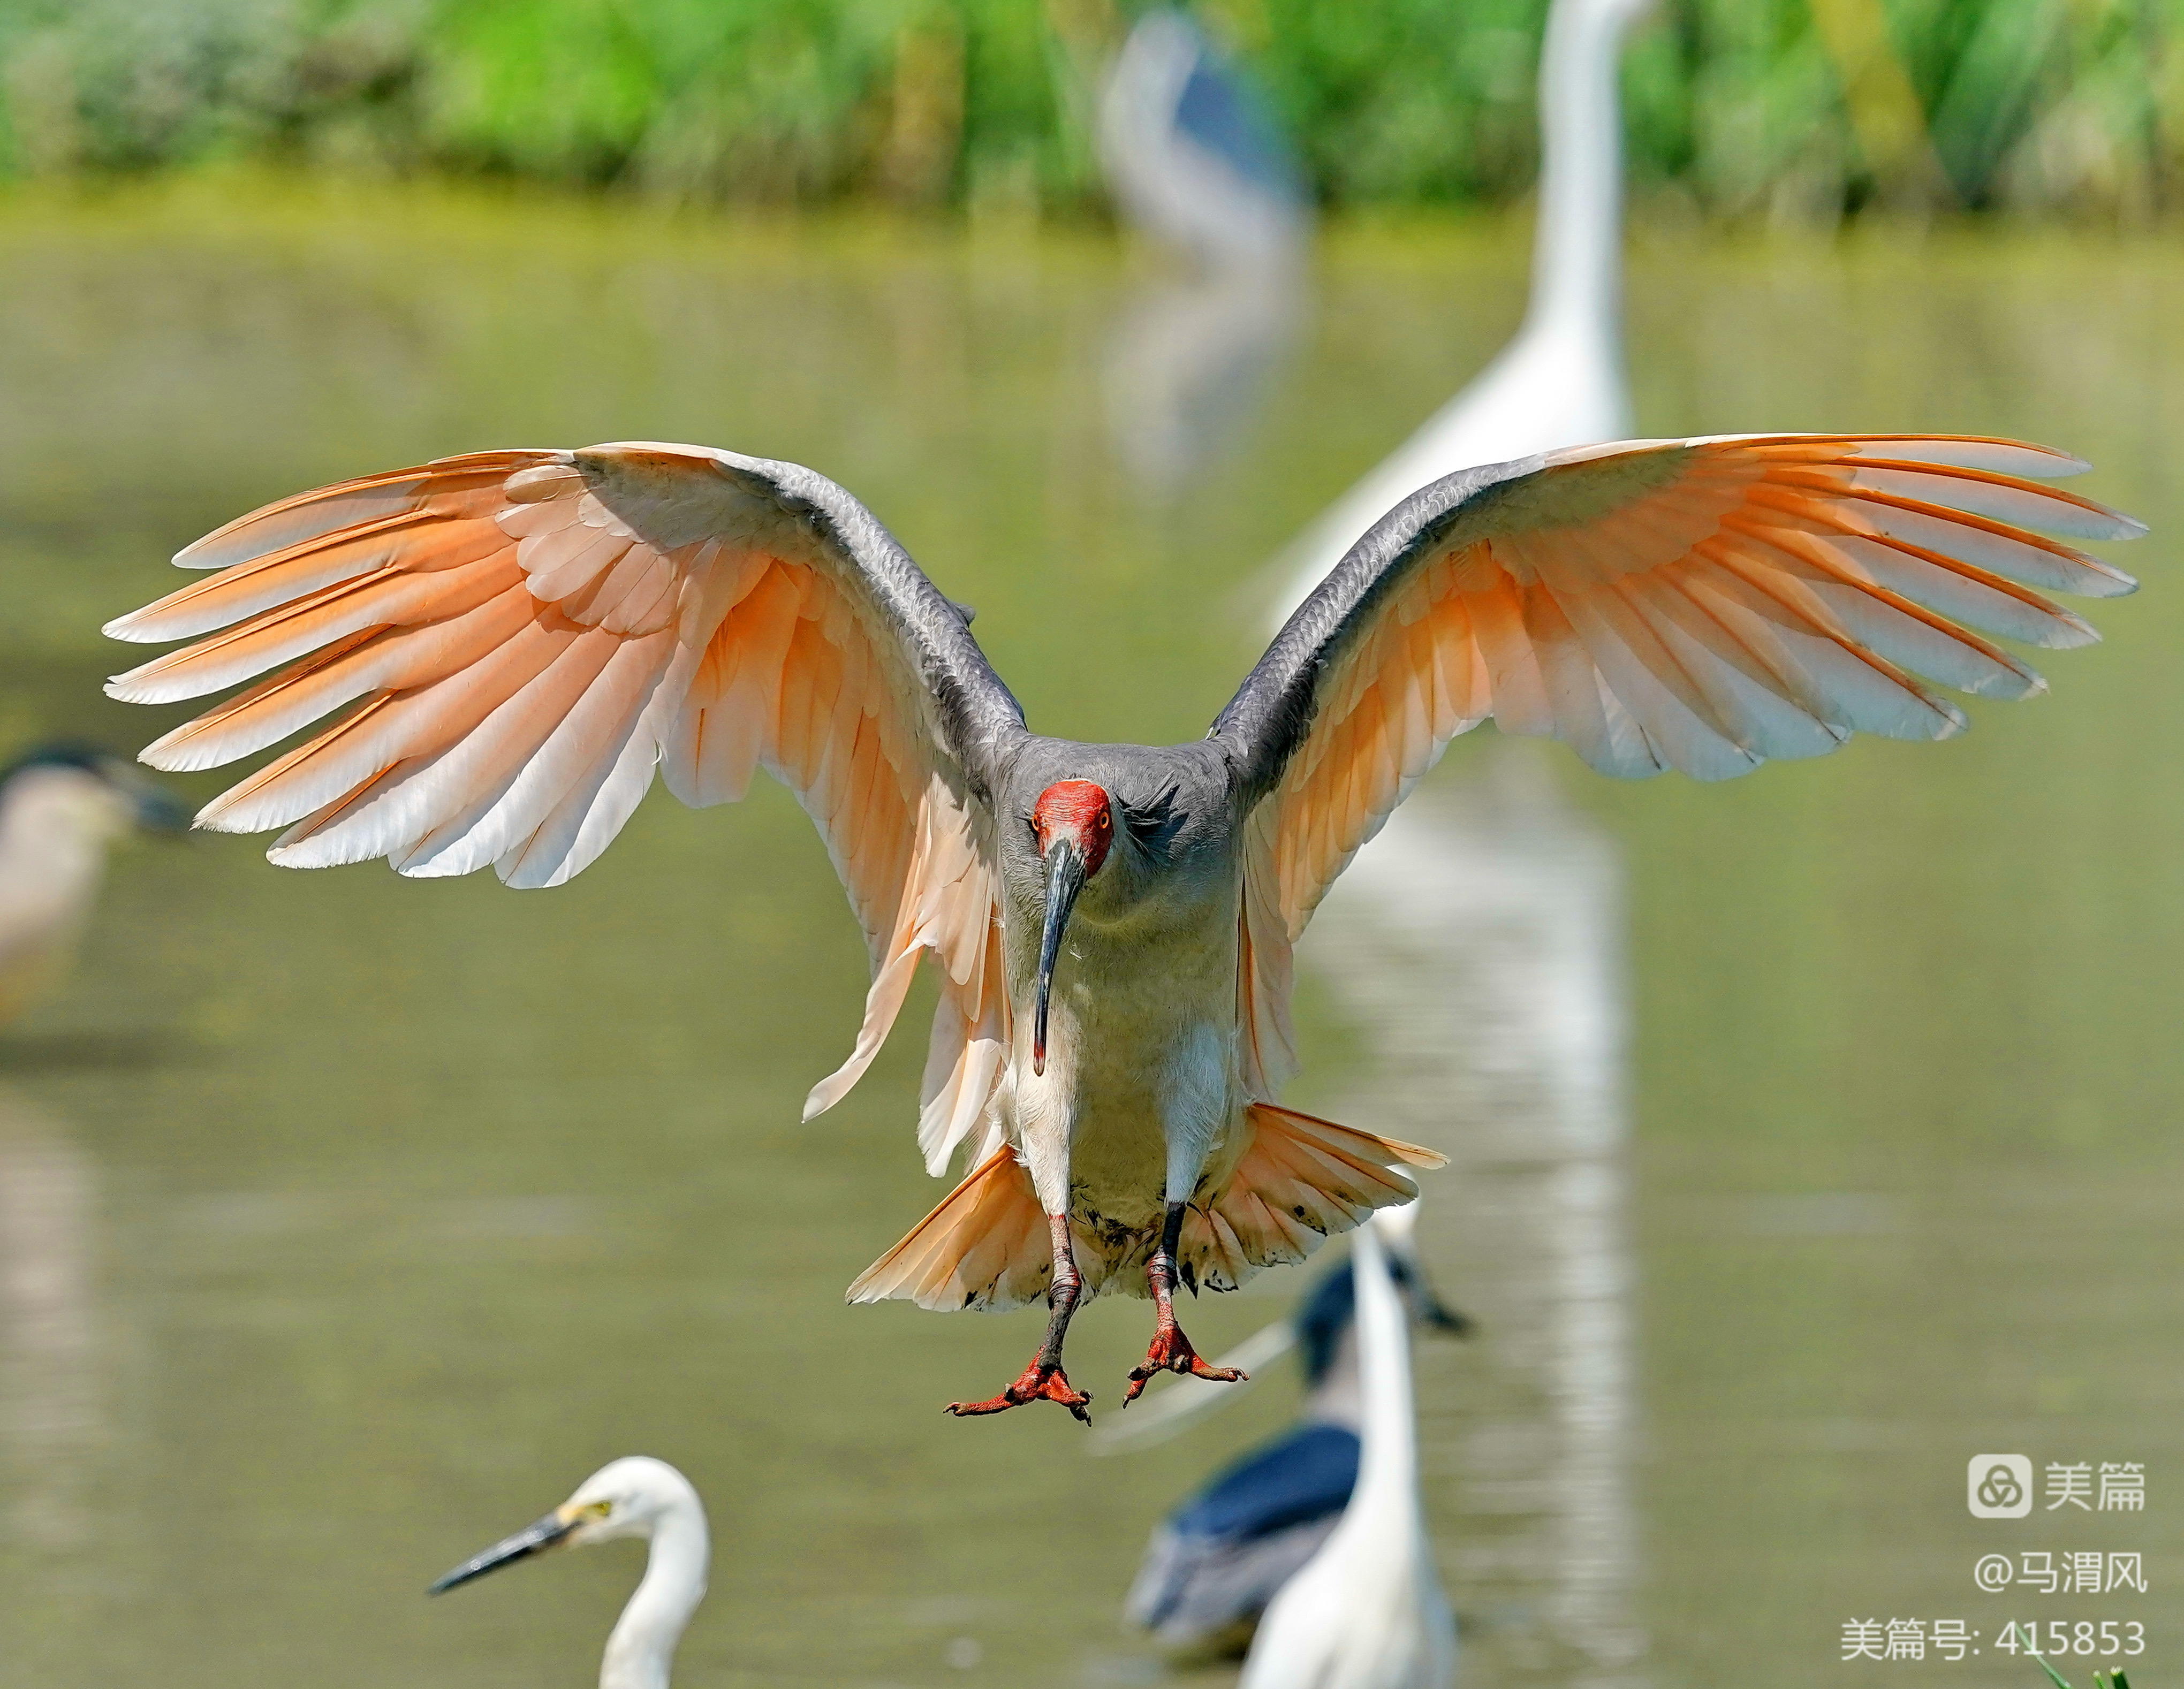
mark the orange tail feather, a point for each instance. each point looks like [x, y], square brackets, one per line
[1300, 1180]
[985, 1246]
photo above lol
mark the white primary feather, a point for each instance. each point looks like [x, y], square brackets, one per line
[1367, 1611]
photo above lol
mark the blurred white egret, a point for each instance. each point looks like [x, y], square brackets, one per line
[1215, 1563]
[1560, 381]
[59, 808]
[1367, 1611]
[638, 1497]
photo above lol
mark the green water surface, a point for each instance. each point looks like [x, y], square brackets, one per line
[368, 1215]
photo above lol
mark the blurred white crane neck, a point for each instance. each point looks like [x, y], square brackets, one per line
[642, 1648]
[1387, 1490]
[1577, 269]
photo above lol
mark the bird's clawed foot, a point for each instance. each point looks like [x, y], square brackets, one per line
[1038, 1382]
[1170, 1351]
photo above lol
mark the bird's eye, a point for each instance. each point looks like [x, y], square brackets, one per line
[600, 1509]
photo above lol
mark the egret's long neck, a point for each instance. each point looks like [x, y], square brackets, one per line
[1387, 1491]
[1577, 269]
[642, 1644]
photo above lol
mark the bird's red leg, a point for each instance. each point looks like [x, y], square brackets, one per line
[1043, 1380]
[1170, 1351]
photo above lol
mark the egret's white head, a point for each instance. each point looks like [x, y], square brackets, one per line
[626, 1498]
[1398, 1227]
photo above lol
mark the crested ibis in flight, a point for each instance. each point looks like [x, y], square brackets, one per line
[529, 637]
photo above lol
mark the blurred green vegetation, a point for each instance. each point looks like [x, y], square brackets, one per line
[1795, 111]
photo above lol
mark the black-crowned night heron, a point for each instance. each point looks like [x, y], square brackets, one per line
[60, 807]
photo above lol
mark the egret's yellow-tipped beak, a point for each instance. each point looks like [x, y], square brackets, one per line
[532, 1539]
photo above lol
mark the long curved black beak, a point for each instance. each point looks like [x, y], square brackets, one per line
[1065, 879]
[542, 1534]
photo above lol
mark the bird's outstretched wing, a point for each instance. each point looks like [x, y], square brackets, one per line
[1697, 604]
[526, 636]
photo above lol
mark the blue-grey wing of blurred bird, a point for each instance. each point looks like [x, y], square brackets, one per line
[1192, 155]
[1216, 1562]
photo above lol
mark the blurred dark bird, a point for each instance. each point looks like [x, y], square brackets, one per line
[1191, 154]
[1195, 163]
[60, 807]
[638, 1498]
[529, 637]
[1185, 1401]
[1215, 1563]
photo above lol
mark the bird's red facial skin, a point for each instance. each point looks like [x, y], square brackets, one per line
[1076, 810]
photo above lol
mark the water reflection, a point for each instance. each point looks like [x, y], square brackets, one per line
[53, 1406]
[1188, 366]
[461, 1189]
[1478, 941]
[1196, 164]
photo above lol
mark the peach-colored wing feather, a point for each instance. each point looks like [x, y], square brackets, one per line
[526, 637]
[1697, 604]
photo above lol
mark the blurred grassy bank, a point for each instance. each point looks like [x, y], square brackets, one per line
[1789, 110]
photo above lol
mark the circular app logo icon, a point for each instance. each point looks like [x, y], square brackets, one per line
[1999, 1486]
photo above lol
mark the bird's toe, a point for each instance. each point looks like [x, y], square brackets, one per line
[1171, 1351]
[1037, 1384]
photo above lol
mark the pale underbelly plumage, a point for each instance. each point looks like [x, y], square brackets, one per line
[1140, 1096]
